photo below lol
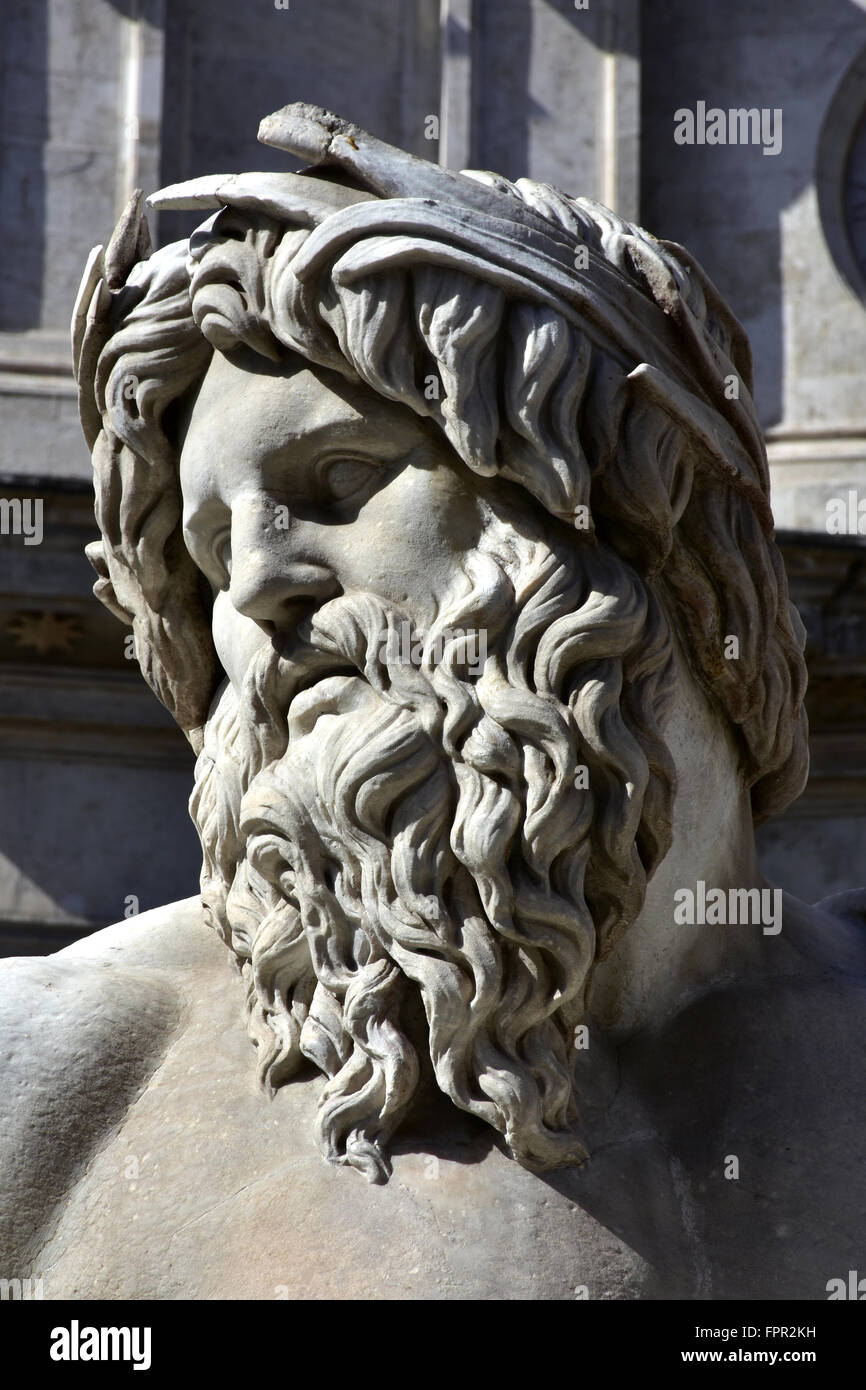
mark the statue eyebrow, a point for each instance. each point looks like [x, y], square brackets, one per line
[356, 438]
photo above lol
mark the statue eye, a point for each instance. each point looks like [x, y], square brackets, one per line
[340, 479]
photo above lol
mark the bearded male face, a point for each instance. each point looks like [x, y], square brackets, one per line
[376, 822]
[378, 398]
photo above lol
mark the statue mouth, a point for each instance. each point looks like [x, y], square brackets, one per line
[302, 668]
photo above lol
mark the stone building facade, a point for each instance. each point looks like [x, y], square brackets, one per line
[99, 96]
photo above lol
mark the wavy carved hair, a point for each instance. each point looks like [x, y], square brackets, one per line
[525, 394]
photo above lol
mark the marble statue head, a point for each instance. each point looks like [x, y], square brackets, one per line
[419, 490]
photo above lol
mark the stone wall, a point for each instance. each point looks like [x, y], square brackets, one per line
[101, 95]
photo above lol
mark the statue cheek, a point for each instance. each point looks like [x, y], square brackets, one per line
[236, 638]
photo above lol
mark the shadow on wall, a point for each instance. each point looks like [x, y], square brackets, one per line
[23, 132]
[504, 107]
[84, 845]
[228, 65]
[224, 72]
[726, 202]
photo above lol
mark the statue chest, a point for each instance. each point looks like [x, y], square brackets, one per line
[207, 1189]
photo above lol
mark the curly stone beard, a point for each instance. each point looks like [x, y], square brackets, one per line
[397, 826]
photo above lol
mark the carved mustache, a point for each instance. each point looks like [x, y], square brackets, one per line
[350, 635]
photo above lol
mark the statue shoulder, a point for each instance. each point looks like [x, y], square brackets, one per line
[82, 1031]
[134, 967]
[172, 938]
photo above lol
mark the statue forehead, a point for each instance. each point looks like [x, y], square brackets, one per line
[248, 405]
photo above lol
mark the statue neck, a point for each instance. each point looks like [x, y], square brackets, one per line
[678, 947]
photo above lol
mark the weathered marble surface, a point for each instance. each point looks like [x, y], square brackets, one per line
[379, 401]
[202, 1188]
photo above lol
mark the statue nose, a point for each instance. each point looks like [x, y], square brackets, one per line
[273, 571]
[267, 591]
